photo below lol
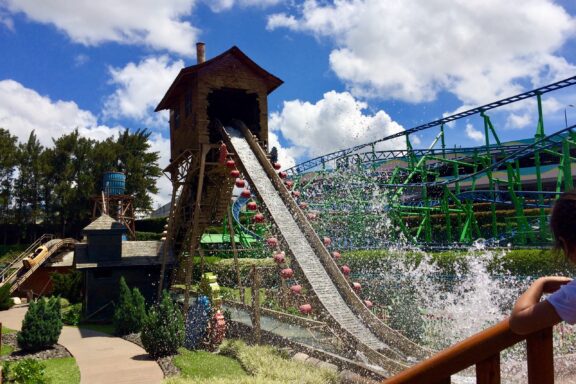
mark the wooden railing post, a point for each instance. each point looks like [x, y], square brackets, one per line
[540, 357]
[488, 371]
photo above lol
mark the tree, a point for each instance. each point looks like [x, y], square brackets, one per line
[28, 184]
[6, 301]
[8, 161]
[72, 182]
[163, 331]
[130, 311]
[67, 285]
[41, 326]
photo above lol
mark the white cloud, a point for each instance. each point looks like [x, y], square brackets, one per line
[156, 24]
[140, 88]
[480, 50]
[224, 5]
[81, 59]
[161, 145]
[519, 121]
[335, 122]
[6, 22]
[474, 134]
[23, 110]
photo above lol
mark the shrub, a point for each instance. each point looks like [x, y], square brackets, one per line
[130, 312]
[68, 286]
[148, 236]
[71, 315]
[41, 326]
[25, 371]
[163, 330]
[5, 299]
[227, 272]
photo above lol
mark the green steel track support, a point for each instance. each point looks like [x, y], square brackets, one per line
[537, 163]
[447, 218]
[487, 128]
[443, 143]
[567, 166]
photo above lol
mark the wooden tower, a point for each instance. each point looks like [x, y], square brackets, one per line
[227, 87]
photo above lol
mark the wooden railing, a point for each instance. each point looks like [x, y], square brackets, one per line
[483, 350]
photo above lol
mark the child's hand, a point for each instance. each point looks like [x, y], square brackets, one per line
[553, 283]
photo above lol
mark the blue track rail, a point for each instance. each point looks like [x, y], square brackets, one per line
[318, 161]
[236, 208]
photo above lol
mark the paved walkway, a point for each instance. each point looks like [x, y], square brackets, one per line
[101, 358]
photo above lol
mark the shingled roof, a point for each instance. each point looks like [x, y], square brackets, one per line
[271, 81]
[104, 223]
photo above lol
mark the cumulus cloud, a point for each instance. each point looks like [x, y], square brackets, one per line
[156, 24]
[224, 5]
[479, 50]
[139, 89]
[474, 134]
[23, 110]
[335, 122]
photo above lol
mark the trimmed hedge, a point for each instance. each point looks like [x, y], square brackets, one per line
[521, 262]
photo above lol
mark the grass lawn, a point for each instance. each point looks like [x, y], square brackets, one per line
[6, 331]
[5, 350]
[243, 364]
[202, 364]
[62, 371]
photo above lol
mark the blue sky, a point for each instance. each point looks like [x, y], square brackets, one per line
[354, 70]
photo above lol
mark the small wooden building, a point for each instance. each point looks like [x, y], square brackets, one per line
[228, 86]
[103, 258]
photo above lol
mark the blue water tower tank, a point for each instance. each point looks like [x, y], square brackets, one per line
[114, 183]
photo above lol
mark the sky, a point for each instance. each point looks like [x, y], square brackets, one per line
[354, 71]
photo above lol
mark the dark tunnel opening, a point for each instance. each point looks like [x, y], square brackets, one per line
[228, 104]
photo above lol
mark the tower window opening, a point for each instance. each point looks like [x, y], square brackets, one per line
[228, 104]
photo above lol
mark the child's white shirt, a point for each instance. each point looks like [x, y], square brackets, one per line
[564, 302]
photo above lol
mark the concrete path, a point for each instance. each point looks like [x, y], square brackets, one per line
[101, 358]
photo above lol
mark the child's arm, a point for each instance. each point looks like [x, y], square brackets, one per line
[529, 313]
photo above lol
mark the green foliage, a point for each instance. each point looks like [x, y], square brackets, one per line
[206, 365]
[266, 362]
[163, 331]
[533, 262]
[5, 299]
[25, 371]
[72, 315]
[62, 371]
[68, 285]
[227, 273]
[146, 236]
[129, 312]
[41, 326]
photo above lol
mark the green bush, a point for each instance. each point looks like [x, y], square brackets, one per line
[72, 315]
[147, 236]
[68, 286]
[129, 312]
[163, 330]
[227, 272]
[25, 371]
[5, 299]
[41, 326]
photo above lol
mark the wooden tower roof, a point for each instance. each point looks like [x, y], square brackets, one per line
[271, 81]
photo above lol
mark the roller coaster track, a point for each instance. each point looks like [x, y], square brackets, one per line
[8, 271]
[346, 313]
[321, 160]
[539, 145]
[21, 273]
[236, 208]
